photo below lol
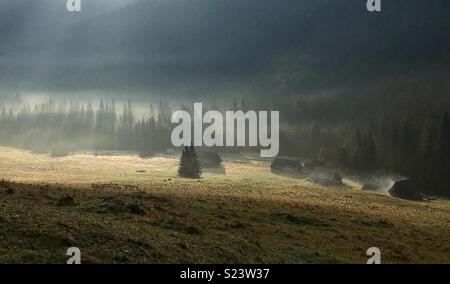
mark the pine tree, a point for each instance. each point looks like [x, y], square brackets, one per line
[370, 157]
[189, 164]
[235, 105]
[196, 168]
[357, 160]
[444, 158]
[342, 159]
[428, 158]
[365, 155]
[444, 138]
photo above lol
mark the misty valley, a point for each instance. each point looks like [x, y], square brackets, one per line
[119, 172]
[224, 132]
[409, 145]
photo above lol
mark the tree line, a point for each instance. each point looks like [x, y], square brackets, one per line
[401, 135]
[404, 135]
[62, 127]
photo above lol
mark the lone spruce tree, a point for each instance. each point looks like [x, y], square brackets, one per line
[189, 164]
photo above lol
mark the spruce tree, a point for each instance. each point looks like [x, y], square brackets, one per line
[342, 159]
[443, 158]
[358, 159]
[184, 162]
[189, 163]
[365, 157]
[444, 138]
[370, 157]
[196, 167]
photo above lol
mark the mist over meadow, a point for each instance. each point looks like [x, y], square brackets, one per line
[363, 91]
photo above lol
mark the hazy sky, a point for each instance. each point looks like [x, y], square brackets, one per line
[189, 46]
[153, 44]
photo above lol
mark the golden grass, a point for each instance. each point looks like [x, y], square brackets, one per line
[249, 215]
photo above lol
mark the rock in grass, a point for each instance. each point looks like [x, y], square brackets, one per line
[406, 189]
[65, 201]
[6, 185]
[135, 208]
[191, 230]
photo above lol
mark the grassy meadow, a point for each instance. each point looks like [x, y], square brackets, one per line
[242, 213]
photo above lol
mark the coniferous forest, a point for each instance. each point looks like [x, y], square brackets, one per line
[61, 127]
[405, 135]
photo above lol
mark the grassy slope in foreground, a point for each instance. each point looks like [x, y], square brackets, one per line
[246, 216]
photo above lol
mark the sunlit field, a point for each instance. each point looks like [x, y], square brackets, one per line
[242, 213]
